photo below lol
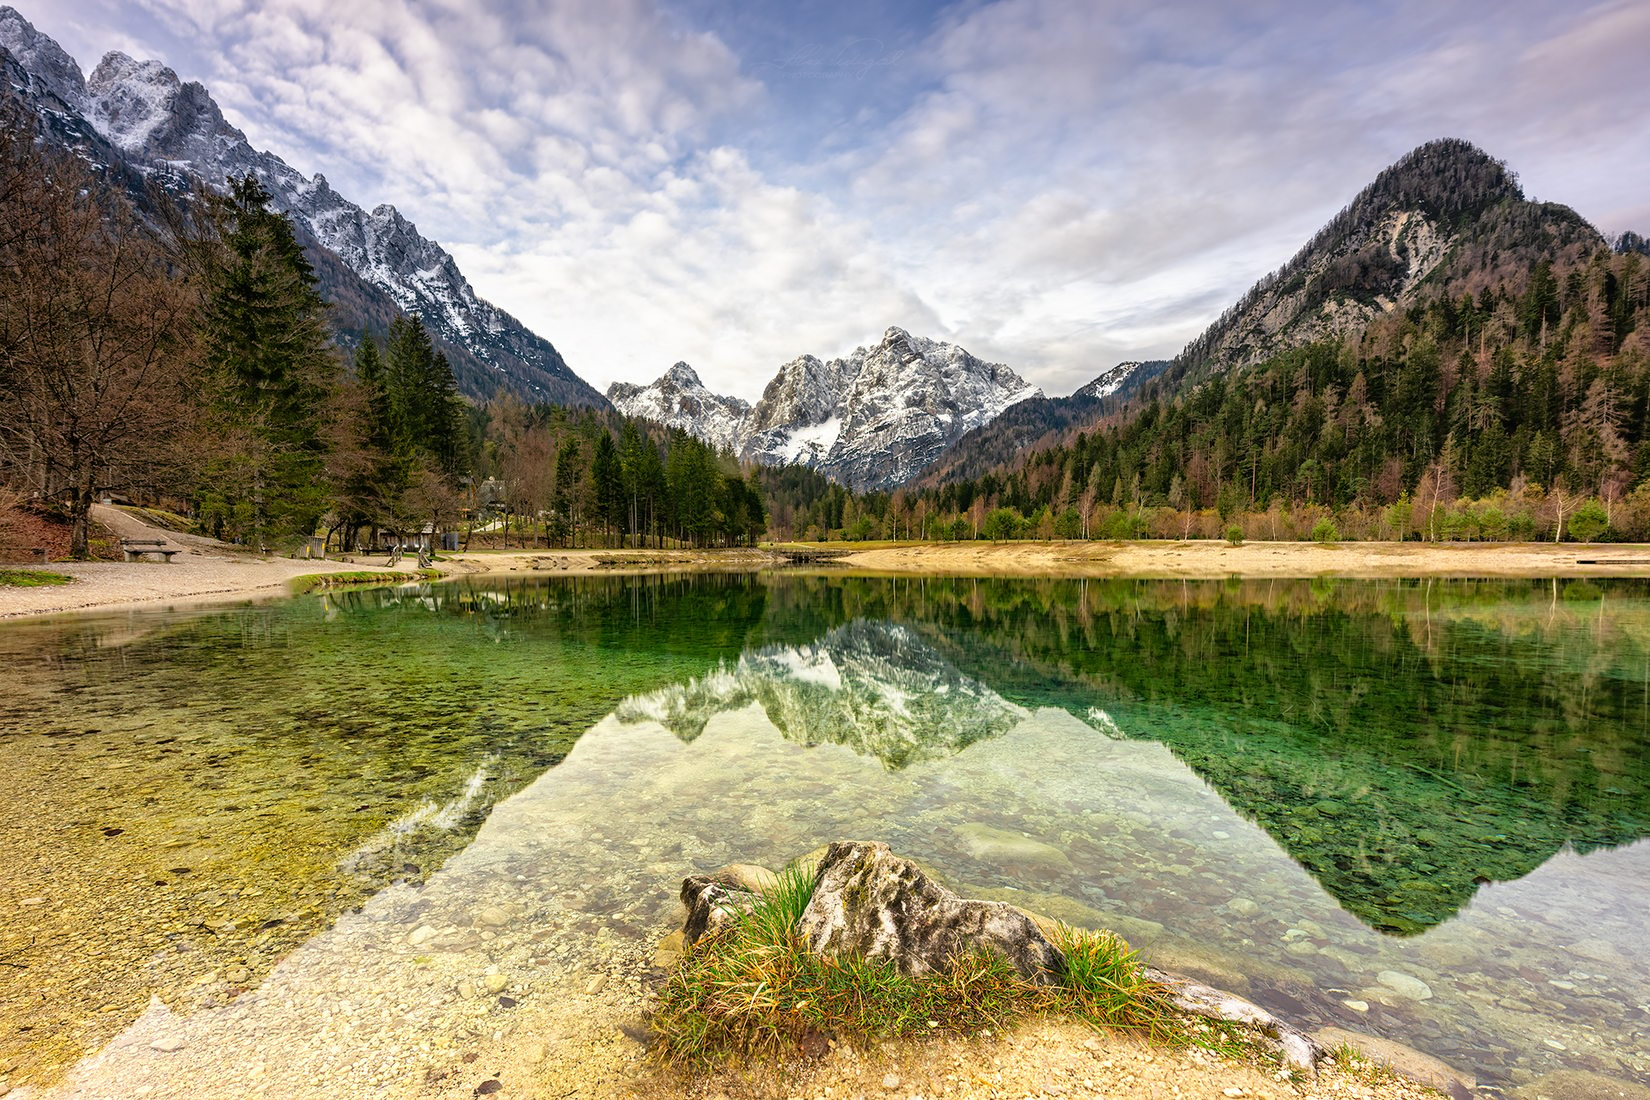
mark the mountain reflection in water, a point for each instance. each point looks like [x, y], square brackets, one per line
[1164, 758]
[1404, 742]
[876, 687]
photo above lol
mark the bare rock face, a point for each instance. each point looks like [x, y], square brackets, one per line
[869, 902]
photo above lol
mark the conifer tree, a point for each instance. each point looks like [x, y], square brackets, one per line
[608, 483]
[267, 344]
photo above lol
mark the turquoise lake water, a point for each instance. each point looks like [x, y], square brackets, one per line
[1411, 808]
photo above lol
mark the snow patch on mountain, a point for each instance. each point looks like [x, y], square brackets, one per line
[809, 444]
[1109, 382]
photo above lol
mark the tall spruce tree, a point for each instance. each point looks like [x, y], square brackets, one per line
[608, 482]
[426, 413]
[267, 345]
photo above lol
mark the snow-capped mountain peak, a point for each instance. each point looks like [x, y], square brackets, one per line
[678, 399]
[872, 419]
[682, 375]
[42, 58]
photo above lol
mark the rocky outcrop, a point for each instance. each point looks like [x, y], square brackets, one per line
[870, 903]
[714, 903]
[1197, 999]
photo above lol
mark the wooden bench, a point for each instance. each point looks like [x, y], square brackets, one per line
[135, 549]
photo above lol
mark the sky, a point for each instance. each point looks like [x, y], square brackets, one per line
[1059, 185]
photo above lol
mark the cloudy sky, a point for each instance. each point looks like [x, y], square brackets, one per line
[1056, 184]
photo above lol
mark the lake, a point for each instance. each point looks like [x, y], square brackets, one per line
[337, 826]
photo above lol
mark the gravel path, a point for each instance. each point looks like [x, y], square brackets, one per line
[206, 570]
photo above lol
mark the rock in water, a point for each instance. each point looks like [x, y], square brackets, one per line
[1405, 985]
[713, 903]
[1575, 1084]
[869, 902]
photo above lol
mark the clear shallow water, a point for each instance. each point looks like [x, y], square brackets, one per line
[1295, 790]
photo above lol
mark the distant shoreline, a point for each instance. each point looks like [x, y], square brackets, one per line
[1214, 560]
[113, 586]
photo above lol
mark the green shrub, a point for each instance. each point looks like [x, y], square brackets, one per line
[1002, 524]
[1234, 535]
[1588, 522]
[1326, 531]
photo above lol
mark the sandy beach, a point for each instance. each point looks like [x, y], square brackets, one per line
[1214, 560]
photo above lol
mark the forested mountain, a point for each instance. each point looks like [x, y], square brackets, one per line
[139, 118]
[1504, 394]
[1446, 219]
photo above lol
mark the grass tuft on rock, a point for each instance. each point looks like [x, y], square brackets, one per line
[754, 990]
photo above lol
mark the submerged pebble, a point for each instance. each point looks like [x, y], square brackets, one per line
[1405, 985]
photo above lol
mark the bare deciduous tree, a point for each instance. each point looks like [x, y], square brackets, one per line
[96, 337]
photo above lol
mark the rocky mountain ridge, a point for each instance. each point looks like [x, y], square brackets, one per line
[174, 132]
[1428, 223]
[872, 419]
[677, 399]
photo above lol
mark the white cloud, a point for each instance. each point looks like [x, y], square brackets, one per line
[1065, 185]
